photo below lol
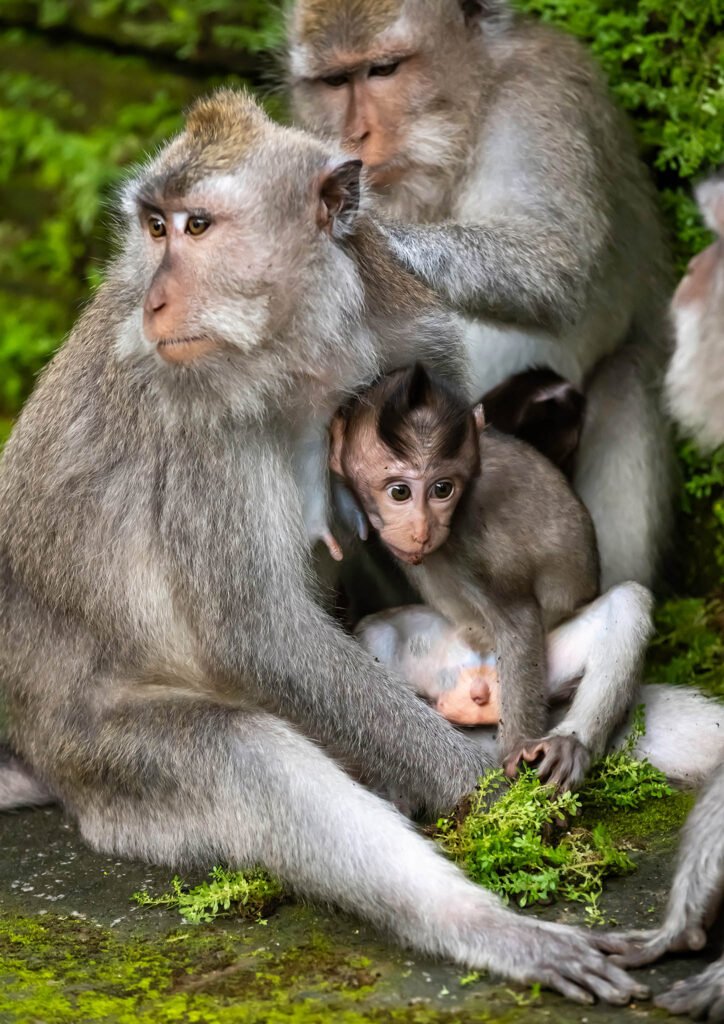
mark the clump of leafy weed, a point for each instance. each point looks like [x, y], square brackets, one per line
[688, 648]
[522, 848]
[249, 893]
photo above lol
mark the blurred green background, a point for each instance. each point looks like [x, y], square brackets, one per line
[87, 87]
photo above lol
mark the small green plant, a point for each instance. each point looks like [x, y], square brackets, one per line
[688, 648]
[249, 893]
[519, 847]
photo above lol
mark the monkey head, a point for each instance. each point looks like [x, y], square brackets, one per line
[408, 447]
[389, 79]
[703, 283]
[232, 234]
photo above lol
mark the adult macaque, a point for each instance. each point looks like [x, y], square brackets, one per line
[515, 191]
[491, 535]
[684, 737]
[169, 673]
[695, 379]
[695, 384]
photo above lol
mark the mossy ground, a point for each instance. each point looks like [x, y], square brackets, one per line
[74, 949]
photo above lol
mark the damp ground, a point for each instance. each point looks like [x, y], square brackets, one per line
[74, 948]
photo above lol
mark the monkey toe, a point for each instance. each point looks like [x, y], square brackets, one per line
[701, 996]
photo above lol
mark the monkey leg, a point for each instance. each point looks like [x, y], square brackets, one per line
[625, 469]
[181, 781]
[18, 785]
[696, 891]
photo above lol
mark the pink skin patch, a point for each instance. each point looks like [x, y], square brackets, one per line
[475, 700]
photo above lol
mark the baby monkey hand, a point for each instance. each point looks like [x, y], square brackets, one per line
[562, 760]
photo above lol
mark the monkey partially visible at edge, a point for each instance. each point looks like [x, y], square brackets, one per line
[513, 189]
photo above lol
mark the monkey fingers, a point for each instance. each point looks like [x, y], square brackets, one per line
[332, 546]
[701, 996]
[564, 760]
[564, 959]
[638, 948]
[349, 509]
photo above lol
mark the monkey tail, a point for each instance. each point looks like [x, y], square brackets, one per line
[18, 785]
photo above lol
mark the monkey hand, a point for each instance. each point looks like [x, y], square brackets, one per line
[349, 510]
[562, 760]
[564, 959]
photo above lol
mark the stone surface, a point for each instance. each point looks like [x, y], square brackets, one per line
[58, 899]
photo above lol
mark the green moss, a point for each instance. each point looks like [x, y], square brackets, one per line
[523, 848]
[60, 971]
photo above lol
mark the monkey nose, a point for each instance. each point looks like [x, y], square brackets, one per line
[480, 692]
[155, 301]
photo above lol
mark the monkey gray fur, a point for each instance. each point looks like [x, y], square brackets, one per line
[168, 670]
[513, 188]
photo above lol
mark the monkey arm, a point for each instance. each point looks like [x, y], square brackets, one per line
[605, 644]
[696, 892]
[250, 603]
[520, 646]
[516, 269]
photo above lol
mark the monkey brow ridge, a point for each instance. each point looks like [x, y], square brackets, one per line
[352, 23]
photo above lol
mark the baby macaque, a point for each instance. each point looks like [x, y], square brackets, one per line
[542, 408]
[683, 736]
[491, 535]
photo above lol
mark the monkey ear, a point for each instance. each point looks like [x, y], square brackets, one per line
[479, 417]
[491, 13]
[339, 198]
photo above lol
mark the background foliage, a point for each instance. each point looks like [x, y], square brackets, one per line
[87, 86]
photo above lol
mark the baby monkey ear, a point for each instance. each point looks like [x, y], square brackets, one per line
[479, 417]
[339, 198]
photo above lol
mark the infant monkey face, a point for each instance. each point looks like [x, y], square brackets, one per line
[475, 699]
[414, 510]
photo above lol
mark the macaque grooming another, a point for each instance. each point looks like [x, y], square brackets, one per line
[490, 534]
[510, 184]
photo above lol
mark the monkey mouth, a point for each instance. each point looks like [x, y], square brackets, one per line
[185, 350]
[411, 557]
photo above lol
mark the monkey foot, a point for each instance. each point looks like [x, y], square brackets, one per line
[700, 997]
[638, 948]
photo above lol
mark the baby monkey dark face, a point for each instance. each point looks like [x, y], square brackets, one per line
[408, 448]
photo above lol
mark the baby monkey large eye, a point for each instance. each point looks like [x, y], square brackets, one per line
[443, 489]
[197, 225]
[156, 227]
[399, 492]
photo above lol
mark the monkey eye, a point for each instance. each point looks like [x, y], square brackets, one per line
[197, 225]
[443, 489]
[383, 70]
[399, 492]
[335, 81]
[156, 227]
